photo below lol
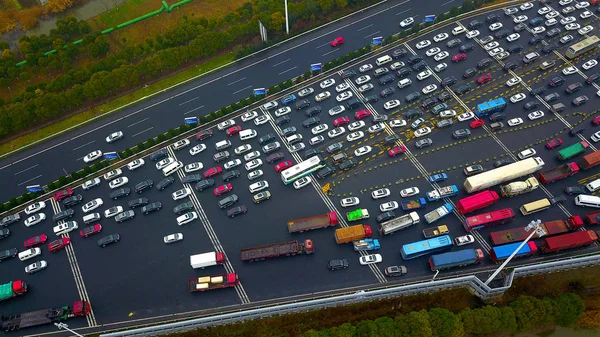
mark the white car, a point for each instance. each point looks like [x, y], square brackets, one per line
[572, 26]
[582, 5]
[232, 163]
[90, 157]
[248, 116]
[253, 164]
[92, 205]
[361, 151]
[513, 37]
[186, 218]
[526, 6]
[526, 153]
[327, 83]
[112, 174]
[302, 182]
[496, 51]
[568, 20]
[535, 115]
[544, 10]
[180, 144]
[538, 30]
[193, 167]
[495, 26]
[365, 67]
[262, 119]
[590, 64]
[319, 129]
[270, 105]
[391, 104]
[551, 22]
[316, 140]
[242, 149]
[433, 51]
[492, 45]
[429, 89]
[513, 81]
[113, 137]
[567, 10]
[180, 194]
[322, 96]
[458, 30]
[305, 92]
[90, 183]
[409, 192]
[111, 212]
[136, 164]
[565, 2]
[569, 71]
[258, 186]
[36, 207]
[283, 111]
[338, 109]
[388, 206]
[423, 44]
[164, 163]
[255, 174]
[407, 22]
[422, 132]
[362, 79]
[376, 128]
[586, 14]
[355, 136]
[35, 219]
[36, 266]
[424, 74]
[366, 87]
[251, 155]
[342, 86]
[515, 121]
[197, 149]
[297, 147]
[552, 15]
[118, 182]
[463, 240]
[440, 37]
[440, 56]
[466, 116]
[397, 65]
[171, 238]
[472, 34]
[370, 259]
[520, 18]
[226, 124]
[336, 132]
[349, 202]
[440, 67]
[356, 125]
[448, 113]
[511, 10]
[518, 97]
[502, 55]
[566, 39]
[596, 137]
[380, 193]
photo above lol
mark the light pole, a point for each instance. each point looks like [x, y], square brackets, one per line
[66, 327]
[535, 225]
[287, 23]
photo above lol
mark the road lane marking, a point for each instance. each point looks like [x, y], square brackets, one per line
[26, 181]
[323, 45]
[329, 52]
[404, 11]
[193, 99]
[445, 3]
[285, 71]
[138, 122]
[234, 82]
[280, 63]
[27, 169]
[86, 144]
[139, 133]
[194, 109]
[235, 92]
[358, 30]
[377, 32]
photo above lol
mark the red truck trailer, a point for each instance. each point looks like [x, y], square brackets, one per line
[550, 227]
[277, 249]
[568, 241]
[318, 221]
[213, 282]
[558, 173]
[589, 160]
[12, 289]
[592, 218]
[477, 201]
[44, 316]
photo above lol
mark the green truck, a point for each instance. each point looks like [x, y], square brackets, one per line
[358, 214]
[573, 150]
[12, 289]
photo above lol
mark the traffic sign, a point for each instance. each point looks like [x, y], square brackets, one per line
[191, 120]
[260, 92]
[429, 18]
[377, 40]
[34, 188]
[316, 67]
[111, 155]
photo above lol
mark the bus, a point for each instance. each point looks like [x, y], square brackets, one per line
[502, 174]
[420, 248]
[582, 47]
[535, 206]
[500, 253]
[490, 219]
[302, 169]
[477, 201]
[489, 107]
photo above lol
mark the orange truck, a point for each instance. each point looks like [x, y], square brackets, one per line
[352, 233]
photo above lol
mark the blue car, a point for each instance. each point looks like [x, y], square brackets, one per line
[288, 99]
[438, 177]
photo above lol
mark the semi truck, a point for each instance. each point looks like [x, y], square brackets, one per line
[314, 222]
[358, 214]
[476, 201]
[44, 316]
[352, 233]
[207, 260]
[558, 173]
[12, 289]
[592, 218]
[550, 227]
[399, 223]
[409, 205]
[502, 174]
[568, 241]
[432, 232]
[444, 192]
[438, 213]
[589, 160]
[257, 253]
[519, 187]
[366, 244]
[573, 150]
[459, 258]
[204, 283]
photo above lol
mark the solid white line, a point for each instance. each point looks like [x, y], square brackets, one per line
[26, 181]
[148, 129]
[445, 3]
[285, 71]
[377, 32]
[200, 107]
[79, 147]
[280, 63]
[358, 30]
[27, 169]
[404, 11]
[248, 87]
[234, 82]
[329, 52]
[138, 122]
[193, 99]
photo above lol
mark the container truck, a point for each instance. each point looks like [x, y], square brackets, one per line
[592, 218]
[358, 214]
[568, 241]
[550, 227]
[558, 173]
[12, 289]
[459, 258]
[366, 244]
[438, 213]
[44, 316]
[573, 150]
[352, 233]
[409, 205]
[500, 253]
[257, 253]
[589, 160]
[213, 282]
[477, 201]
[432, 232]
[207, 259]
[396, 224]
[519, 187]
[444, 192]
[314, 222]
[502, 174]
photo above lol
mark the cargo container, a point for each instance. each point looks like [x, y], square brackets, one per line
[257, 253]
[438, 213]
[366, 244]
[358, 214]
[458, 258]
[477, 201]
[502, 174]
[503, 252]
[519, 187]
[550, 227]
[490, 219]
[444, 192]
[12, 289]
[589, 160]
[207, 259]
[352, 233]
[592, 218]
[399, 223]
[573, 150]
[432, 232]
[314, 222]
[568, 241]
[213, 282]
[409, 205]
[44, 316]
[559, 172]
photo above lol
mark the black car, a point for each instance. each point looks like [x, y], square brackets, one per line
[124, 216]
[385, 216]
[453, 43]
[536, 21]
[502, 162]
[348, 164]
[348, 74]
[387, 91]
[403, 72]
[444, 123]
[10, 219]
[421, 143]
[413, 96]
[502, 33]
[553, 32]
[439, 108]
[289, 131]
[466, 47]
[561, 199]
[474, 24]
[371, 99]
[549, 48]
[498, 116]
[470, 73]
[445, 95]
[109, 239]
[303, 103]
[310, 153]
[580, 100]
[269, 137]
[536, 40]
[72, 200]
[386, 79]
[515, 48]
[8, 253]
[282, 120]
[160, 154]
[335, 147]
[484, 63]
[152, 207]
[192, 178]
[183, 208]
[429, 102]
[594, 78]
[121, 192]
[492, 18]
[414, 59]
[531, 105]
[337, 264]
[395, 271]
[399, 53]
[575, 190]
[164, 183]
[144, 185]
[538, 91]
[233, 212]
[412, 113]
[227, 176]
[573, 87]
[324, 172]
[138, 202]
[228, 201]
[66, 214]
[461, 133]
[557, 81]
[273, 157]
[204, 184]
[463, 89]
[310, 122]
[419, 66]
[510, 65]
[4, 232]
[551, 97]
[449, 81]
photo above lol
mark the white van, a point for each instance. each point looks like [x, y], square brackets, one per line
[531, 57]
[29, 253]
[247, 134]
[593, 186]
[222, 145]
[383, 60]
[403, 83]
[293, 139]
[172, 168]
[587, 201]
[88, 218]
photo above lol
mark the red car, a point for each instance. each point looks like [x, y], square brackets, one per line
[341, 121]
[223, 189]
[337, 41]
[484, 78]
[59, 244]
[35, 241]
[556, 142]
[204, 134]
[63, 194]
[362, 114]
[234, 130]
[213, 171]
[459, 57]
[476, 124]
[283, 165]
[596, 120]
[396, 150]
[93, 229]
